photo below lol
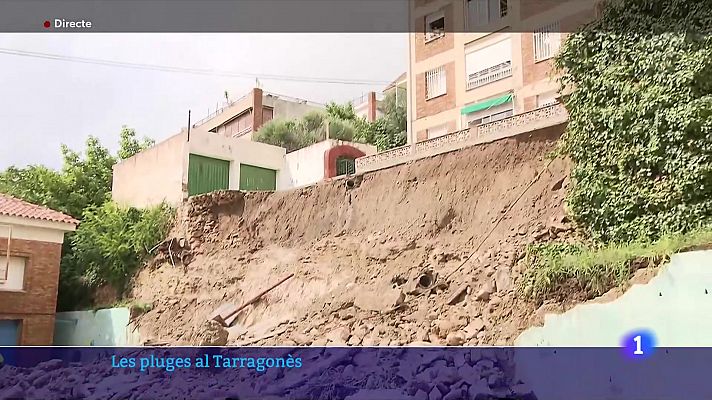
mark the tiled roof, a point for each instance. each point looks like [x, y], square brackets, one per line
[13, 207]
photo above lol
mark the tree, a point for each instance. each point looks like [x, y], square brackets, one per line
[386, 132]
[83, 181]
[130, 146]
[299, 133]
[82, 189]
[640, 119]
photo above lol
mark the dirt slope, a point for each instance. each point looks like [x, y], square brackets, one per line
[356, 252]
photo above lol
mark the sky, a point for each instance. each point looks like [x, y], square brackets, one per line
[45, 103]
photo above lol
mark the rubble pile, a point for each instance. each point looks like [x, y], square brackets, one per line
[478, 374]
[426, 252]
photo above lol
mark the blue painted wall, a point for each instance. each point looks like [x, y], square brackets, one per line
[107, 327]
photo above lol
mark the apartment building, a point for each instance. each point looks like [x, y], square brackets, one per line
[368, 106]
[479, 61]
[242, 117]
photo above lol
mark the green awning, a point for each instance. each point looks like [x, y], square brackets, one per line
[487, 104]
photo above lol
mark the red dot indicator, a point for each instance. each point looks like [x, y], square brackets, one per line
[47, 24]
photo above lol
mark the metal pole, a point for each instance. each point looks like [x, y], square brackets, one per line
[188, 126]
[409, 83]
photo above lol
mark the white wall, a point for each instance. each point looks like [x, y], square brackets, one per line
[306, 166]
[288, 109]
[237, 152]
[15, 274]
[153, 175]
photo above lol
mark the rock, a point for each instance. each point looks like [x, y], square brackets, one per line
[211, 333]
[435, 394]
[50, 365]
[458, 295]
[339, 335]
[300, 339]
[474, 327]
[320, 342]
[485, 291]
[456, 394]
[454, 339]
[354, 340]
[379, 300]
[503, 280]
[448, 325]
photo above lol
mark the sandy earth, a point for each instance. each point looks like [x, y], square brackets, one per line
[356, 253]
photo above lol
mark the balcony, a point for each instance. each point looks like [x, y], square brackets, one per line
[540, 118]
[489, 75]
[242, 132]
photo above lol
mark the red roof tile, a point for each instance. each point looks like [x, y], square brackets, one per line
[13, 207]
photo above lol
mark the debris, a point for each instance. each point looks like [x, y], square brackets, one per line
[211, 333]
[222, 320]
[454, 339]
[503, 280]
[485, 291]
[458, 295]
[379, 300]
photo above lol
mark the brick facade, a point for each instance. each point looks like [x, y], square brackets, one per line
[425, 108]
[35, 305]
[425, 50]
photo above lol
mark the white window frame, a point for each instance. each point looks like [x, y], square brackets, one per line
[490, 115]
[547, 41]
[430, 33]
[17, 269]
[435, 82]
[486, 12]
[491, 73]
[441, 130]
[546, 100]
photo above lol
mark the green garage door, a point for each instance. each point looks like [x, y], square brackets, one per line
[257, 178]
[207, 174]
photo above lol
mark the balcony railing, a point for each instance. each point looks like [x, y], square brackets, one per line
[242, 132]
[489, 75]
[511, 126]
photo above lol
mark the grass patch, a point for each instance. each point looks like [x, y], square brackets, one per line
[559, 270]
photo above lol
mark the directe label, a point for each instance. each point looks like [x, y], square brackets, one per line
[65, 24]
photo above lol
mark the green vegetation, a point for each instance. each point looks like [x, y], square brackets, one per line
[111, 241]
[640, 119]
[556, 267]
[640, 137]
[341, 122]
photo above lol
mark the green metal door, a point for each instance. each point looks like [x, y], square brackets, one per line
[257, 178]
[207, 174]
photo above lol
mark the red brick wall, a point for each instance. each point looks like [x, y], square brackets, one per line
[537, 71]
[425, 50]
[35, 305]
[530, 8]
[333, 153]
[423, 107]
[256, 107]
[529, 103]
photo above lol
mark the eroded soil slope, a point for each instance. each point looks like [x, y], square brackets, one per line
[396, 237]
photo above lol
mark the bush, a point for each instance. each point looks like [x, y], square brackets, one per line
[640, 120]
[112, 242]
